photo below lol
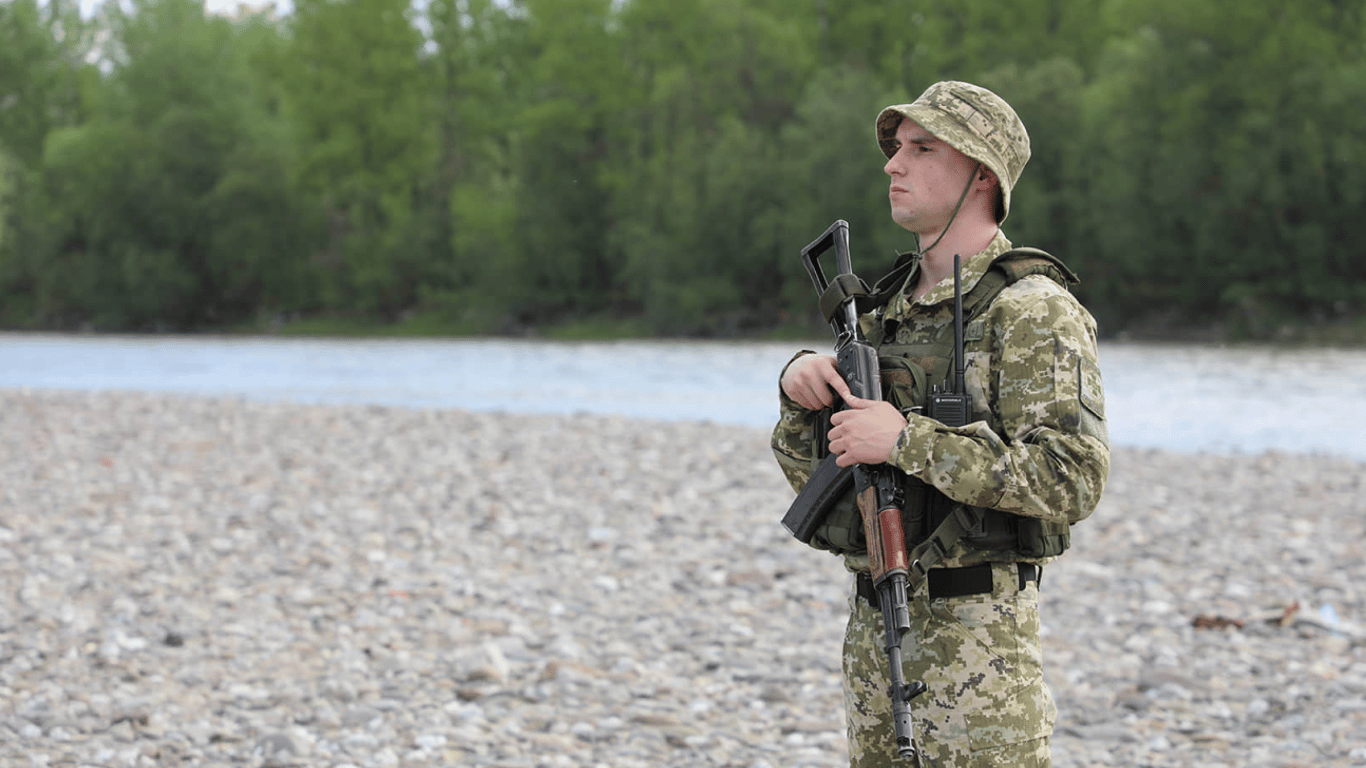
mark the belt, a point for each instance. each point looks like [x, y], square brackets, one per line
[954, 582]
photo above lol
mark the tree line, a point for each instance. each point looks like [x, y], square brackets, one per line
[499, 165]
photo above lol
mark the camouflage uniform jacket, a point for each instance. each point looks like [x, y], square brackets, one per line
[1037, 446]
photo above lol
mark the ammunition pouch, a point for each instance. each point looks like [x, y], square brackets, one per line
[842, 531]
[1010, 536]
[904, 383]
[998, 532]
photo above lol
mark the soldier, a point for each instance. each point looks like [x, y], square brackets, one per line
[1034, 456]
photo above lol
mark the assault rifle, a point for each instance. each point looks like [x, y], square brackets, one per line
[877, 487]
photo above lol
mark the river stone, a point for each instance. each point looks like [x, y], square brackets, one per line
[215, 581]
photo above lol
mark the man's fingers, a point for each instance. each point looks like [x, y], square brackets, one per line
[813, 401]
[857, 403]
[854, 402]
[813, 395]
[810, 379]
[837, 383]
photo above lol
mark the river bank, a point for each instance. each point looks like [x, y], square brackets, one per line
[1185, 398]
[201, 581]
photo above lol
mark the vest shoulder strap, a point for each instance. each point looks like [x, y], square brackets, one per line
[1023, 261]
[1008, 268]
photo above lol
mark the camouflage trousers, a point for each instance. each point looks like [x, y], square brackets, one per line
[980, 655]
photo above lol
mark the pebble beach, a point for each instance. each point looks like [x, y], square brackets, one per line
[219, 582]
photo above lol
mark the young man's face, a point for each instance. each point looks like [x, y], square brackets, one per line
[928, 177]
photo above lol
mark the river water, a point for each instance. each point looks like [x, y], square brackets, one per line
[1235, 399]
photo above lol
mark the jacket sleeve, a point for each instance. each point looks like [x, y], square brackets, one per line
[794, 436]
[1045, 454]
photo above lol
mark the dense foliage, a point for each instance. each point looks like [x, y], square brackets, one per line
[503, 164]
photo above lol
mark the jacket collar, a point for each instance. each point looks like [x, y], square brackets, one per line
[974, 267]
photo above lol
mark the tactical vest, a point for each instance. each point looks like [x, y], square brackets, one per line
[907, 371]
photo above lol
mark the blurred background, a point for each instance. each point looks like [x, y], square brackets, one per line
[526, 183]
[646, 168]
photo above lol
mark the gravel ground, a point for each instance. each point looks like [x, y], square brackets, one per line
[221, 582]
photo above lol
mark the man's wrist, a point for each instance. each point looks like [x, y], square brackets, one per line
[800, 354]
[783, 398]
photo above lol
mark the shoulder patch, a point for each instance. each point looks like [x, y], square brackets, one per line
[1091, 389]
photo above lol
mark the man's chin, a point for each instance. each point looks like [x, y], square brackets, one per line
[903, 218]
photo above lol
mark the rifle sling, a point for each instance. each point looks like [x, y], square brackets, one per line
[844, 287]
[958, 524]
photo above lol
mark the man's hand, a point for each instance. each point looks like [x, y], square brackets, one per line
[865, 432]
[814, 382]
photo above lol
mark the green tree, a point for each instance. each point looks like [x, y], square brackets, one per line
[130, 204]
[472, 65]
[362, 117]
[695, 157]
[517, 162]
[42, 77]
[42, 50]
[1208, 138]
[567, 90]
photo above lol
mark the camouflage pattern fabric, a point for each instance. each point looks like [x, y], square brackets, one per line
[792, 437]
[987, 704]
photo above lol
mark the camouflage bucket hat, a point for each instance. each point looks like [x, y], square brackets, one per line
[973, 121]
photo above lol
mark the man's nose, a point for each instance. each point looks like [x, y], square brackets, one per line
[893, 166]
